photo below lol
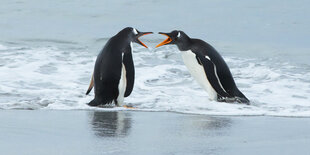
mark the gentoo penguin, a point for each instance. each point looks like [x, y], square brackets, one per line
[114, 72]
[207, 67]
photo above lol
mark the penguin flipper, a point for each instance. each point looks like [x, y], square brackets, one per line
[210, 71]
[130, 72]
[91, 85]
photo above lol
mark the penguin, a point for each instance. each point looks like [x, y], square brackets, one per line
[114, 72]
[207, 67]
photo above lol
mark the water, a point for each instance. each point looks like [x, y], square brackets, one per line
[48, 50]
[152, 133]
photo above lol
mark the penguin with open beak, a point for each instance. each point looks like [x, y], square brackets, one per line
[207, 67]
[114, 72]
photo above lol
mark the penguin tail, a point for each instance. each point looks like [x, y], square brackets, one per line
[243, 100]
[100, 101]
[240, 98]
[94, 102]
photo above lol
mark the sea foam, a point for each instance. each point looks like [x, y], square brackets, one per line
[55, 78]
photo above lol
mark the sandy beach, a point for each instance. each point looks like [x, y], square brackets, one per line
[130, 132]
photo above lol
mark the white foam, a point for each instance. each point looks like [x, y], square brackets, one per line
[2, 47]
[51, 78]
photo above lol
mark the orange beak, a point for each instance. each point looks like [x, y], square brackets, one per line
[142, 34]
[167, 41]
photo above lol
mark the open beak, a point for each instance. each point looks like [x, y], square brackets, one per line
[140, 34]
[167, 41]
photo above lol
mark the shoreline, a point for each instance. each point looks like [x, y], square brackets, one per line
[157, 110]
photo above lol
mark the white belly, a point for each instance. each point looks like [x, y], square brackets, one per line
[198, 72]
[122, 86]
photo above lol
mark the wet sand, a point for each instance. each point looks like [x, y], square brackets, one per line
[130, 132]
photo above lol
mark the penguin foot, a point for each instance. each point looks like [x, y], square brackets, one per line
[129, 107]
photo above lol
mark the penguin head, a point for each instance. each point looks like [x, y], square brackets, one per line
[134, 35]
[175, 37]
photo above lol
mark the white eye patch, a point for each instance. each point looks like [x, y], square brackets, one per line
[135, 31]
[179, 35]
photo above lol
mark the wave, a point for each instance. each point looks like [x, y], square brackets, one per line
[52, 78]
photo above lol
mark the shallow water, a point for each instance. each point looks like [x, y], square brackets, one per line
[122, 132]
[48, 50]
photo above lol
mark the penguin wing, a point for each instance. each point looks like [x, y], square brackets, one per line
[130, 72]
[91, 85]
[210, 71]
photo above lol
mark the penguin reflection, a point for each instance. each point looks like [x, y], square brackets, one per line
[111, 124]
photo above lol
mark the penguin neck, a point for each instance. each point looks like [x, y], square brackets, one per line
[122, 41]
[185, 44]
